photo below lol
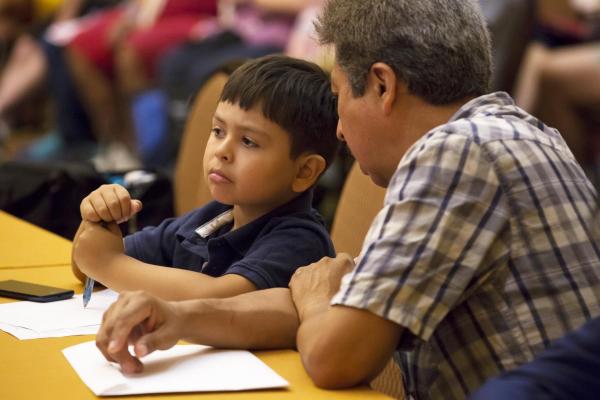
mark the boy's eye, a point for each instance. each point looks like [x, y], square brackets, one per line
[218, 132]
[247, 142]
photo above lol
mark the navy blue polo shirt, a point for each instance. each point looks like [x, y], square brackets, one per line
[265, 251]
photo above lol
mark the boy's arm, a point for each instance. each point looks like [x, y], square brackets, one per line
[76, 271]
[99, 253]
[108, 203]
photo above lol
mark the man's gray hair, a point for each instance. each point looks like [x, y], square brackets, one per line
[439, 48]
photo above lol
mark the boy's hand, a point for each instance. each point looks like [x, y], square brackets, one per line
[144, 321]
[109, 203]
[96, 246]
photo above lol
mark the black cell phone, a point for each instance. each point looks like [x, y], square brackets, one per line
[33, 292]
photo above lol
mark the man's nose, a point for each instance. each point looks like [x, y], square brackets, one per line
[339, 133]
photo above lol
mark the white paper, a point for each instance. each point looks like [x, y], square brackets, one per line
[31, 320]
[183, 368]
[24, 333]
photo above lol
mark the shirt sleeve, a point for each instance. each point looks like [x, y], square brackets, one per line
[274, 256]
[441, 216]
[154, 244]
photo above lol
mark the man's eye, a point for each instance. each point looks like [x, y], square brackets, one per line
[247, 142]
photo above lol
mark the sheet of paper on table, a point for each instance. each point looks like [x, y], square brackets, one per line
[30, 320]
[183, 368]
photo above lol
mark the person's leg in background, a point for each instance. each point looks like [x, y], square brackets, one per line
[90, 61]
[24, 72]
[511, 26]
[146, 105]
[569, 86]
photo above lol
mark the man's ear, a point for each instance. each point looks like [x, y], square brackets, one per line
[310, 167]
[385, 84]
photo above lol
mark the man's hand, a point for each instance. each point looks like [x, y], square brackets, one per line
[96, 245]
[313, 286]
[144, 321]
[109, 203]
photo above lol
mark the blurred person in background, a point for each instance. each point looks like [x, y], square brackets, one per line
[27, 30]
[112, 61]
[560, 81]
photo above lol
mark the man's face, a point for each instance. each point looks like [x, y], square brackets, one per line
[359, 127]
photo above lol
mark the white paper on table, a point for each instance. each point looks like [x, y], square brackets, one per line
[183, 368]
[31, 320]
[25, 334]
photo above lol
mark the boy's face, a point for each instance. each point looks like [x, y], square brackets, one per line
[247, 160]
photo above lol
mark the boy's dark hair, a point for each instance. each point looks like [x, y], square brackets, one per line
[293, 93]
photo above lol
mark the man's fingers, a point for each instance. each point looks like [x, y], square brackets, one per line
[132, 313]
[160, 339]
[129, 364]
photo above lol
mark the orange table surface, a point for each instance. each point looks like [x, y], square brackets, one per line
[37, 369]
[25, 245]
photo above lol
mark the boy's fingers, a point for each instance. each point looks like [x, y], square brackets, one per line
[87, 211]
[136, 206]
[112, 203]
[124, 201]
[113, 227]
[100, 207]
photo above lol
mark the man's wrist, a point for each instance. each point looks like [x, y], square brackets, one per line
[312, 307]
[189, 312]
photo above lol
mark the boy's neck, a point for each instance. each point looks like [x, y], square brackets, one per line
[243, 215]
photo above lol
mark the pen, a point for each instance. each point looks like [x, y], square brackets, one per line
[87, 291]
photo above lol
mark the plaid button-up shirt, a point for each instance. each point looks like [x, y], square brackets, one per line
[484, 250]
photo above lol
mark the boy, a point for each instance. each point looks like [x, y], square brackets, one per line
[273, 135]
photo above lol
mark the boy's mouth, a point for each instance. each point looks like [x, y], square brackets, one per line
[216, 176]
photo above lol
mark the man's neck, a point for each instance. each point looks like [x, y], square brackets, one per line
[419, 117]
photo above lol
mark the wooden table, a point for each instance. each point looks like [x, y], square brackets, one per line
[37, 369]
[25, 245]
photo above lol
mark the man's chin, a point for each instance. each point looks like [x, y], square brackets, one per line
[376, 179]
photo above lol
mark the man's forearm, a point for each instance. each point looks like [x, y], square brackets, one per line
[327, 342]
[264, 319]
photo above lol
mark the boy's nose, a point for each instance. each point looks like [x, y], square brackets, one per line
[224, 152]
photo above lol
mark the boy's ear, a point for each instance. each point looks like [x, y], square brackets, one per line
[310, 167]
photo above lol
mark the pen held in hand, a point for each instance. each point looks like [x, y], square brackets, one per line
[87, 291]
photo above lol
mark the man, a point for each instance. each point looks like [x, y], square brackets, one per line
[483, 252]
